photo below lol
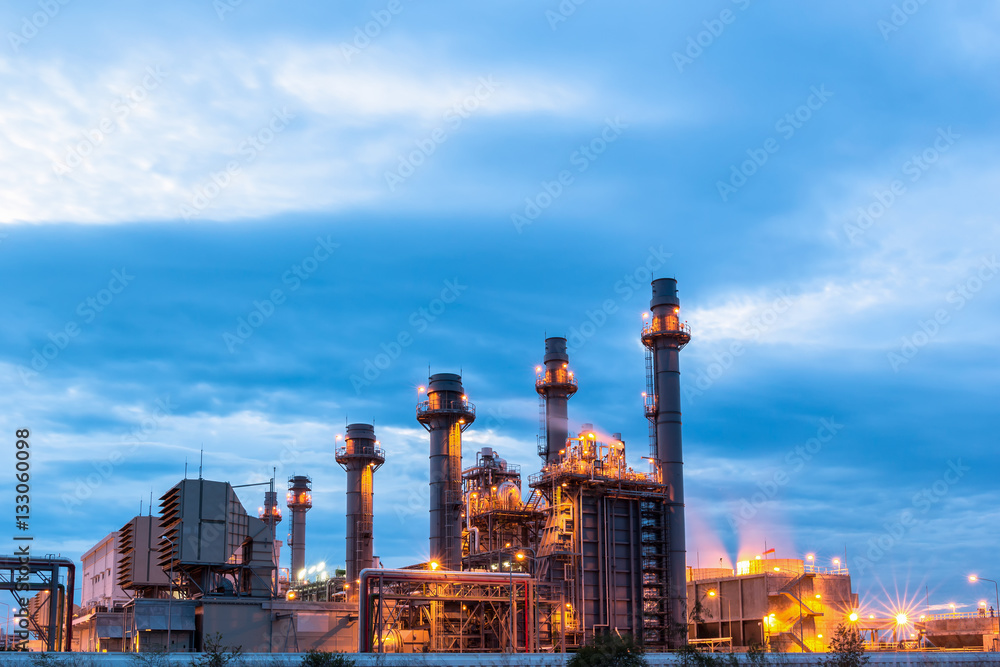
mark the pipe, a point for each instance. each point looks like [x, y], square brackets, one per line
[445, 414]
[665, 336]
[556, 385]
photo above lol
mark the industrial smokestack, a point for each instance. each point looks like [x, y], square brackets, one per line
[270, 514]
[445, 414]
[299, 502]
[360, 456]
[664, 335]
[555, 384]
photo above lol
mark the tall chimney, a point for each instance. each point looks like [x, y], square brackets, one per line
[664, 335]
[446, 413]
[299, 502]
[555, 383]
[360, 456]
[270, 514]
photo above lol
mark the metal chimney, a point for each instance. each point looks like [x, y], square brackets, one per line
[555, 384]
[664, 335]
[270, 514]
[445, 414]
[299, 502]
[360, 456]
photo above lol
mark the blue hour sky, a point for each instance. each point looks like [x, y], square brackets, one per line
[238, 226]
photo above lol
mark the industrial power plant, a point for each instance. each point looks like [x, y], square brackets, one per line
[585, 546]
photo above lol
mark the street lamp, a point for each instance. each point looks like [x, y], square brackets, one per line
[974, 578]
[170, 600]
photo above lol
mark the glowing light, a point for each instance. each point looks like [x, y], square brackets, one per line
[420, 390]
[901, 619]
[742, 567]
[836, 561]
[711, 594]
[818, 596]
[520, 556]
[538, 369]
[322, 566]
[290, 596]
[645, 315]
[435, 565]
[973, 578]
[590, 435]
[569, 606]
[853, 617]
[302, 573]
[819, 636]
[506, 563]
[871, 616]
[778, 569]
[810, 556]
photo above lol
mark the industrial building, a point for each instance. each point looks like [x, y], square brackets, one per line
[586, 545]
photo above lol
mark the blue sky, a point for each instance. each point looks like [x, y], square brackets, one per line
[821, 181]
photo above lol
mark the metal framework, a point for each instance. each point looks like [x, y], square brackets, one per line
[19, 574]
[421, 610]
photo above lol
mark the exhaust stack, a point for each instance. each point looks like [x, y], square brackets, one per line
[445, 414]
[299, 502]
[555, 384]
[360, 456]
[664, 336]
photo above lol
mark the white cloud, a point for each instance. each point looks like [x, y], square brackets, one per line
[137, 138]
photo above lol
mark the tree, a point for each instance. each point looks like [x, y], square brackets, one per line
[847, 648]
[609, 650]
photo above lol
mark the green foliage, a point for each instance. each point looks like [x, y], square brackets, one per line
[326, 659]
[609, 651]
[217, 655]
[847, 648]
[757, 655]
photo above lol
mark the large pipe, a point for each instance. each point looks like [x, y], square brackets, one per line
[556, 384]
[299, 502]
[445, 414]
[665, 336]
[360, 456]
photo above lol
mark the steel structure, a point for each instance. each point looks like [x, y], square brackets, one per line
[299, 501]
[498, 522]
[26, 574]
[416, 611]
[446, 413]
[360, 456]
[664, 336]
[555, 385]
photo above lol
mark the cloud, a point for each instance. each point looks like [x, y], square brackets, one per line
[143, 137]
